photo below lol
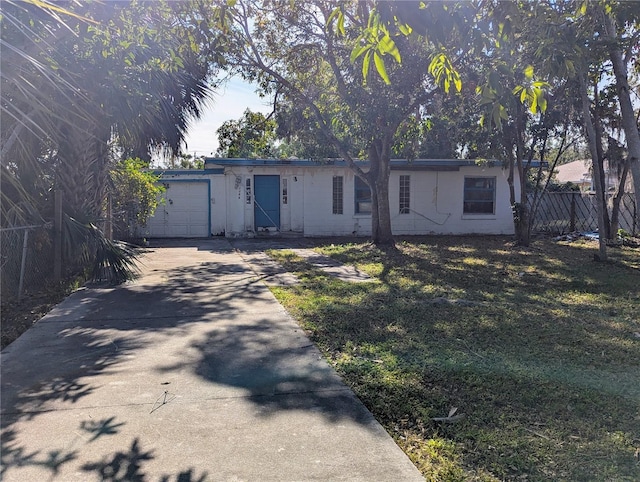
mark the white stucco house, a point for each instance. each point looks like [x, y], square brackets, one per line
[250, 197]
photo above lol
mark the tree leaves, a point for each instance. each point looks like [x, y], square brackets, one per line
[444, 73]
[374, 42]
[337, 15]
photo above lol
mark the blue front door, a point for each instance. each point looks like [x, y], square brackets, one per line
[266, 201]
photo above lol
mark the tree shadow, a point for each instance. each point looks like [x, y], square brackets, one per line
[185, 476]
[121, 466]
[527, 350]
[14, 455]
[274, 369]
[93, 331]
[100, 428]
[96, 331]
[128, 466]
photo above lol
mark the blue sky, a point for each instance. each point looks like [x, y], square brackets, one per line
[230, 101]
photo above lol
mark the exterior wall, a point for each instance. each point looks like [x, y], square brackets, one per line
[218, 205]
[240, 207]
[435, 201]
[436, 204]
[319, 219]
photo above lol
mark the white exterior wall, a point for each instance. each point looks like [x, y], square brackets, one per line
[436, 204]
[318, 205]
[218, 205]
[235, 204]
[436, 201]
[240, 213]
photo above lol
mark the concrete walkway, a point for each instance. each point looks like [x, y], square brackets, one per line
[273, 274]
[193, 372]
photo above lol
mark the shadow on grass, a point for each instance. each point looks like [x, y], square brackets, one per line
[543, 362]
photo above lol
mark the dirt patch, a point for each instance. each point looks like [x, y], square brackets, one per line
[20, 315]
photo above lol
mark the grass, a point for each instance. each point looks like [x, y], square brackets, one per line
[539, 352]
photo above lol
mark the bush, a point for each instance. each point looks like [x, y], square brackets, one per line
[134, 197]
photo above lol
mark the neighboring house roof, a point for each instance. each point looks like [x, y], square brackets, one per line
[577, 172]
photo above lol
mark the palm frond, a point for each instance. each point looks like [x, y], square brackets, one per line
[110, 261]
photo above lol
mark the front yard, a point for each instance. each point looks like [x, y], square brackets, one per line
[528, 359]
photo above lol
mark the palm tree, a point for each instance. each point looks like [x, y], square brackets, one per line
[84, 84]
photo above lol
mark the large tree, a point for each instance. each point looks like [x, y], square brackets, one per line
[78, 82]
[305, 52]
[564, 40]
[620, 30]
[251, 136]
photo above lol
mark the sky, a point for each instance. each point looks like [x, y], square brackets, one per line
[229, 103]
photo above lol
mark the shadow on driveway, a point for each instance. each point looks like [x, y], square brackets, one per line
[80, 390]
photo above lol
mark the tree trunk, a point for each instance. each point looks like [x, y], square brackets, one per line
[384, 234]
[519, 205]
[591, 141]
[617, 200]
[82, 173]
[378, 178]
[599, 165]
[626, 107]
[522, 224]
[523, 230]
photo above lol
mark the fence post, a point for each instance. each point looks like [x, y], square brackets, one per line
[57, 232]
[23, 262]
[108, 225]
[572, 214]
[635, 214]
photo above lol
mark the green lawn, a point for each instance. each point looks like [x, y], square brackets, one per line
[537, 350]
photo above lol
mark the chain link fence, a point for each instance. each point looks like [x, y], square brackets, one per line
[26, 259]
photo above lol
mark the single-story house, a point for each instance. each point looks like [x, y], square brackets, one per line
[250, 197]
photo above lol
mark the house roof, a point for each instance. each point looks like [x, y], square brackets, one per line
[577, 172]
[396, 164]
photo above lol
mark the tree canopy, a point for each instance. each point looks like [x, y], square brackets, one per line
[251, 136]
[294, 53]
[90, 81]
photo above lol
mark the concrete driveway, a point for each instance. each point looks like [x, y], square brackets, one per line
[193, 372]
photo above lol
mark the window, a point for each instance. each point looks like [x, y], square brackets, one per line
[338, 195]
[405, 194]
[248, 191]
[479, 195]
[363, 197]
[285, 191]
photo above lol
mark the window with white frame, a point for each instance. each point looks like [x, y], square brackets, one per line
[248, 191]
[405, 194]
[479, 195]
[338, 195]
[362, 197]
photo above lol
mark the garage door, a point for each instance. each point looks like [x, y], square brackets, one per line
[184, 213]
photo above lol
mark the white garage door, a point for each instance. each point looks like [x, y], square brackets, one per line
[184, 212]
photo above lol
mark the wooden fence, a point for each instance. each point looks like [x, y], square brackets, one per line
[565, 212]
